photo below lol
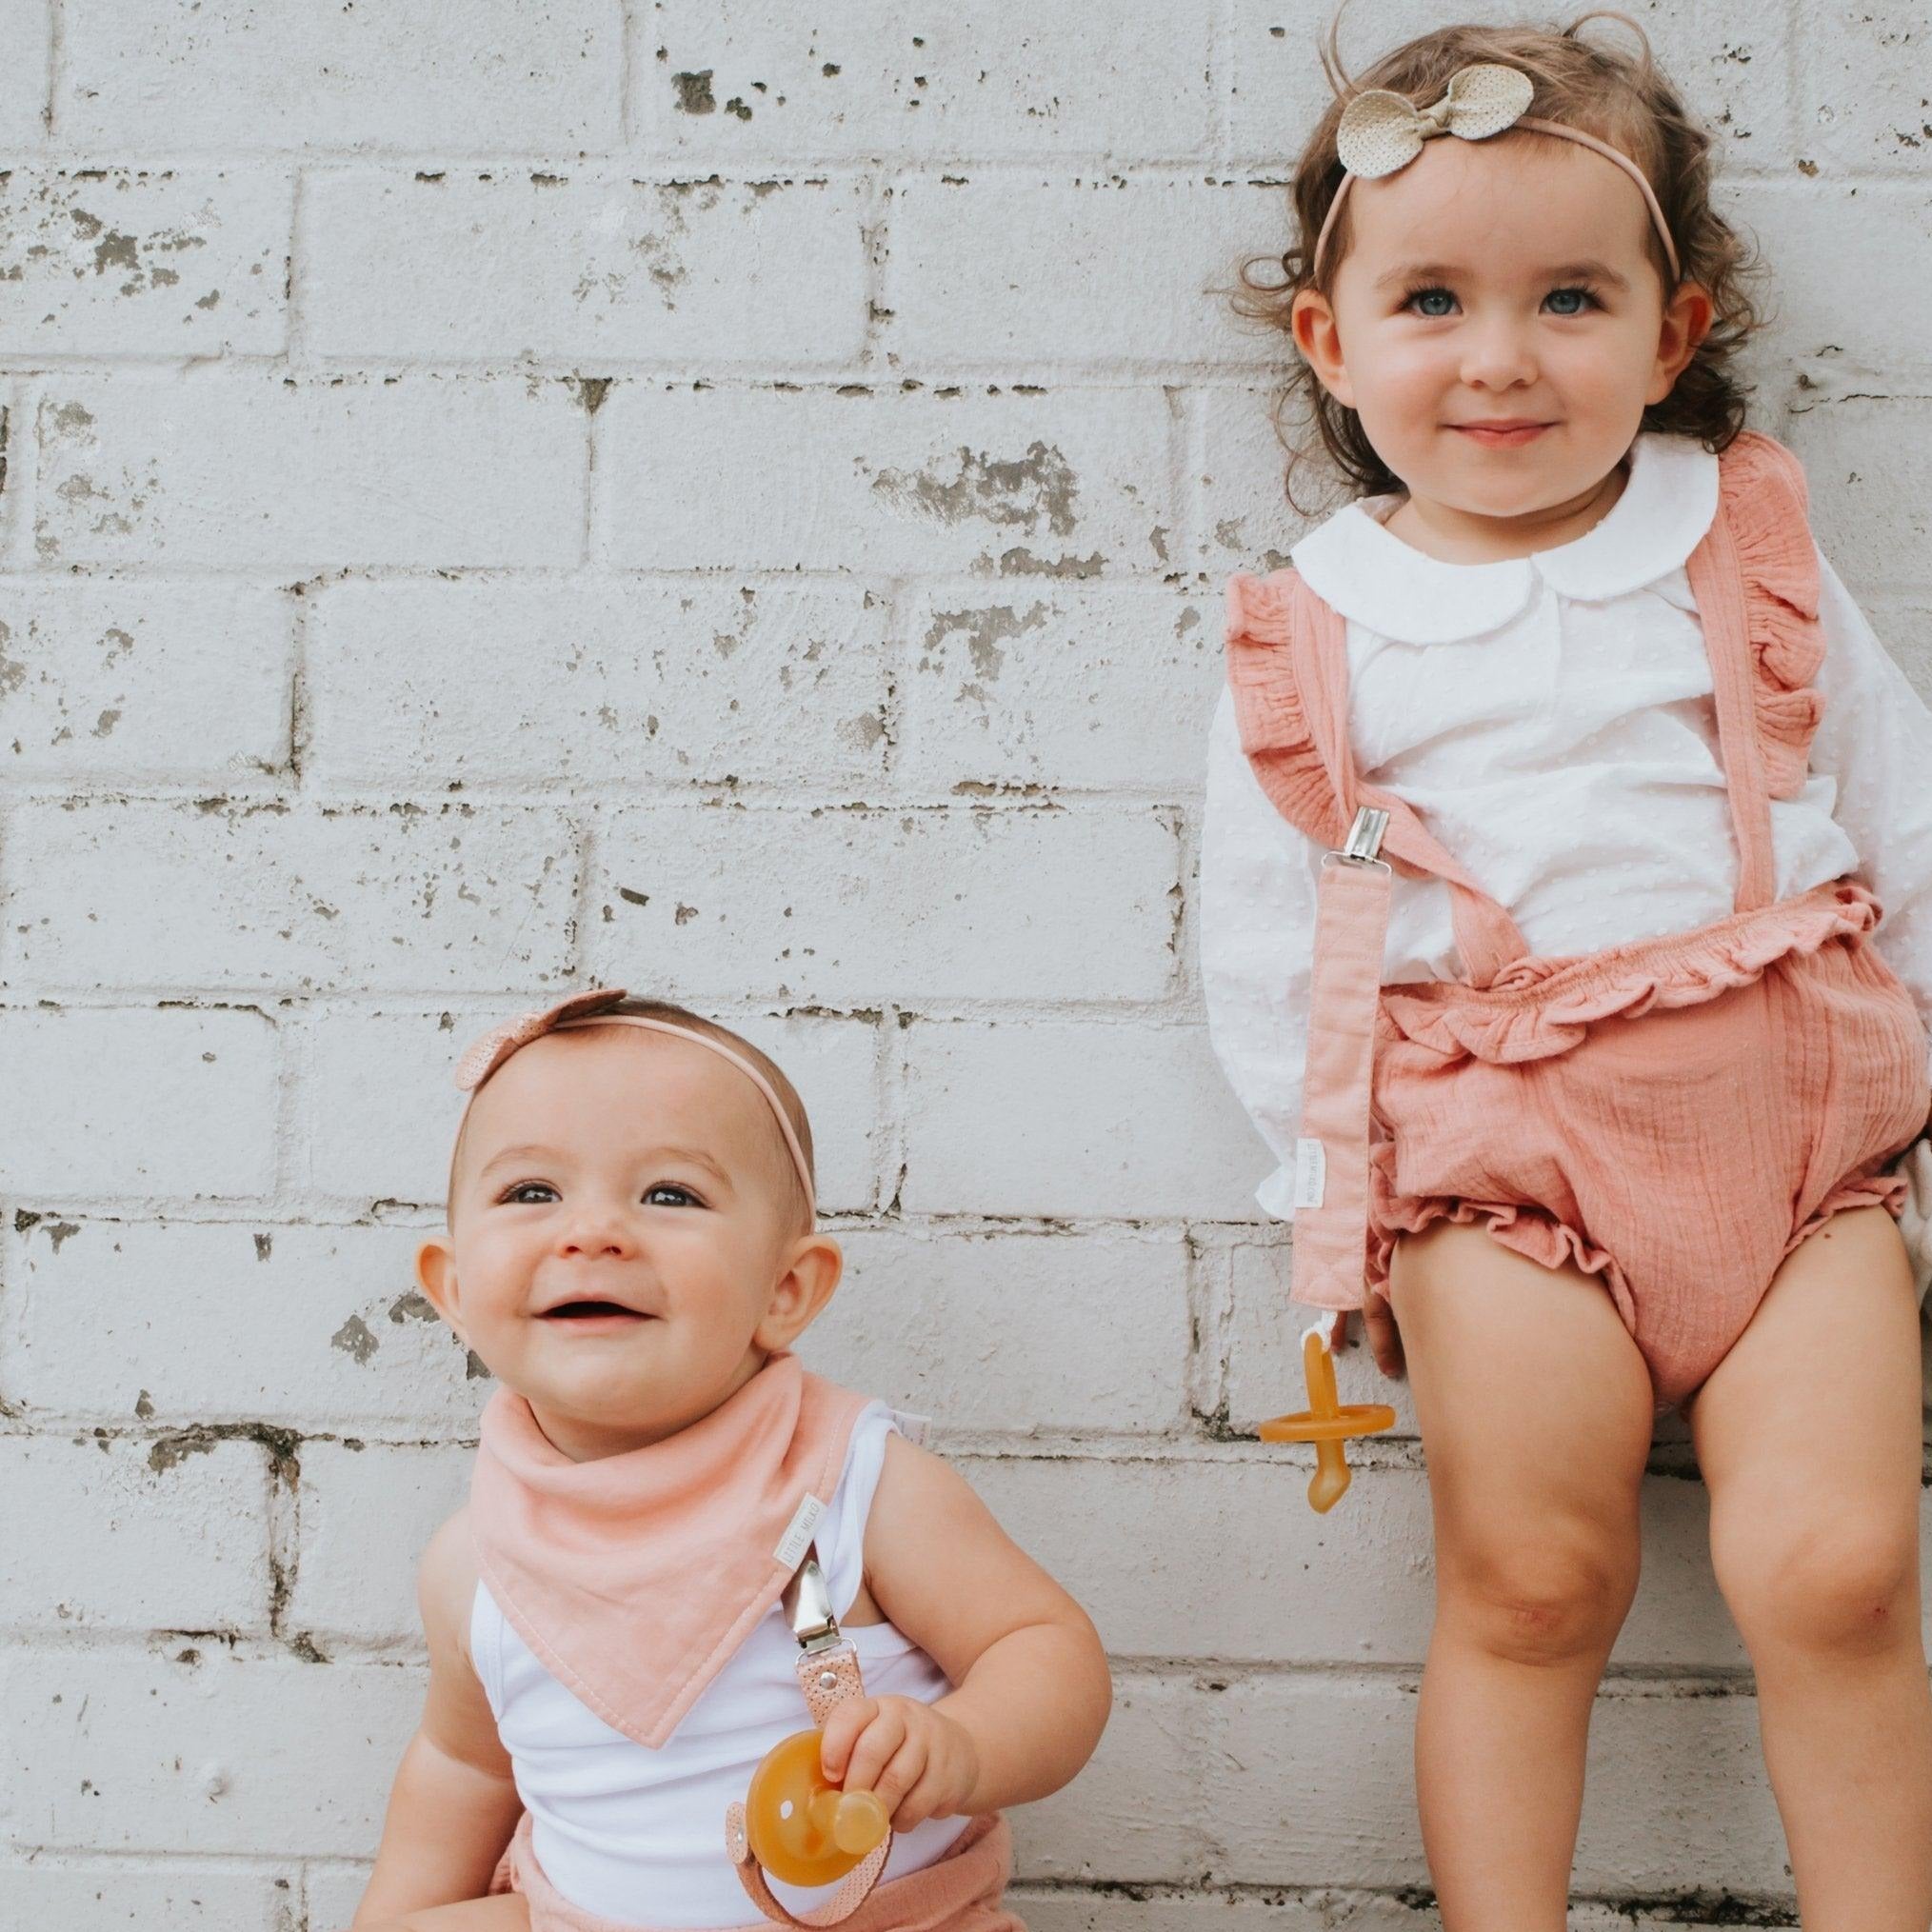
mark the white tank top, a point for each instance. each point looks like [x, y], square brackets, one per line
[637, 1835]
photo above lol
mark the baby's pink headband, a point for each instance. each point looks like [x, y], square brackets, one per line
[594, 1009]
[1380, 133]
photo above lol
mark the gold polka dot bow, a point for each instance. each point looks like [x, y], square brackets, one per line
[1380, 131]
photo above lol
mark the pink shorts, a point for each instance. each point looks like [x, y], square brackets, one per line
[960, 1893]
[1672, 1117]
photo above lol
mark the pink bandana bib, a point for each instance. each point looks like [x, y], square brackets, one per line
[634, 1578]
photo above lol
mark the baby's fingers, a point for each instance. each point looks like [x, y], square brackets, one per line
[842, 1732]
[901, 1776]
[877, 1743]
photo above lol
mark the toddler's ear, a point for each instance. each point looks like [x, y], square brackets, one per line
[1312, 320]
[800, 1294]
[437, 1276]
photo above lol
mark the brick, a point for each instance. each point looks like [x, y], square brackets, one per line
[121, 1535]
[1103, 1825]
[367, 1517]
[81, 1895]
[402, 1151]
[1904, 623]
[221, 1753]
[1072, 690]
[25, 28]
[1004, 268]
[143, 263]
[501, 76]
[1214, 1911]
[1051, 1117]
[239, 895]
[16, 416]
[181, 1324]
[844, 906]
[1677, 1797]
[601, 681]
[1245, 520]
[978, 1331]
[1868, 460]
[1727, 60]
[1819, 238]
[243, 471]
[1859, 85]
[334, 1891]
[137, 682]
[96, 1100]
[759, 78]
[457, 265]
[1071, 484]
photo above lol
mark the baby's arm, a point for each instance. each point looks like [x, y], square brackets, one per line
[454, 1803]
[1032, 1688]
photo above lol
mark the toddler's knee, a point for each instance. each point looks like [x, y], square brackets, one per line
[1554, 1603]
[1847, 1588]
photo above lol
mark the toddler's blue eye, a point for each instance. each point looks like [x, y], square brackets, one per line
[1421, 301]
[1570, 301]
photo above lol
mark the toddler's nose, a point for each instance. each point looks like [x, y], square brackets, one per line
[1499, 356]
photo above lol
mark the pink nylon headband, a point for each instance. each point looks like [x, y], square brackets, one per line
[487, 1053]
[1562, 133]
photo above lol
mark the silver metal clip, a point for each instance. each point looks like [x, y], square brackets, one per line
[1364, 835]
[808, 1604]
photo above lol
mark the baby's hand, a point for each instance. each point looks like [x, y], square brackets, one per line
[921, 1763]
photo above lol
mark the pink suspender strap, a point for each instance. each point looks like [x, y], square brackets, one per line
[1351, 924]
[1331, 1154]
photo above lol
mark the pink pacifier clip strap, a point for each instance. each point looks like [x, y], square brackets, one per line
[828, 1674]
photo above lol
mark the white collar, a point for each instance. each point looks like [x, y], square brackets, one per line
[1388, 587]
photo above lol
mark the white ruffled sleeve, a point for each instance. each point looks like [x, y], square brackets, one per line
[1257, 932]
[1875, 742]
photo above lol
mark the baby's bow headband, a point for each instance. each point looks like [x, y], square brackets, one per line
[1380, 133]
[596, 1009]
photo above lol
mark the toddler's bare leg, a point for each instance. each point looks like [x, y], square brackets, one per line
[1536, 1412]
[1810, 1436]
[506, 1912]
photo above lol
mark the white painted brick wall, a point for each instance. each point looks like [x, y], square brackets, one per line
[730, 500]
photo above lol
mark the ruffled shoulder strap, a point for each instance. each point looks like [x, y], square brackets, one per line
[1762, 498]
[1273, 712]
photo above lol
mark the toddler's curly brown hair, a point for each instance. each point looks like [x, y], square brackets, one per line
[1622, 97]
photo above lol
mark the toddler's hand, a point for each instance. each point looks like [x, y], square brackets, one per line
[921, 1763]
[1384, 1338]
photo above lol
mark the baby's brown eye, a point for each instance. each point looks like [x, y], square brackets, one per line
[666, 1195]
[526, 1193]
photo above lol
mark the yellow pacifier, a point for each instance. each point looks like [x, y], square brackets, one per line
[1327, 1422]
[803, 1828]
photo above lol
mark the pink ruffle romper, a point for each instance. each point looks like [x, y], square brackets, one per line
[1672, 1117]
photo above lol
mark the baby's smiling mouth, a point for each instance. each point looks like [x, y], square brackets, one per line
[587, 1311]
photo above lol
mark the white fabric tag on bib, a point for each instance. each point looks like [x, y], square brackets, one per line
[797, 1540]
[1311, 1173]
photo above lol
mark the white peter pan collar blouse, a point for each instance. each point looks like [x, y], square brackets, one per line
[1552, 718]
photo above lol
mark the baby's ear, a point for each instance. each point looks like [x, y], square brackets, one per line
[799, 1294]
[437, 1276]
